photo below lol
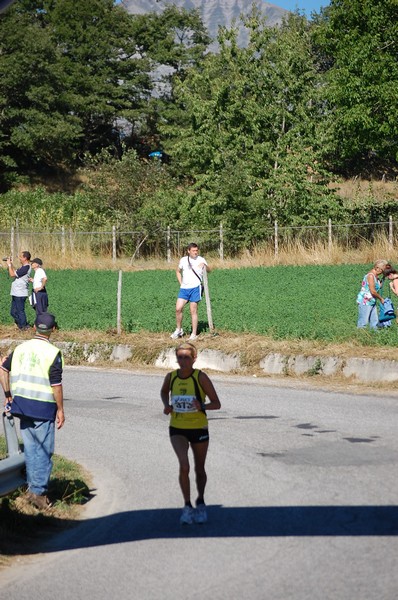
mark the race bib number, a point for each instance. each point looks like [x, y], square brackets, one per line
[183, 404]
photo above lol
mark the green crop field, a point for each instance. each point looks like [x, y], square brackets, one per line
[286, 302]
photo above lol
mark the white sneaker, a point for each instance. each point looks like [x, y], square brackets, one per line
[192, 337]
[187, 516]
[178, 333]
[200, 514]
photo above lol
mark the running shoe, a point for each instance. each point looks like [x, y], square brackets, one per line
[187, 516]
[201, 514]
[192, 337]
[178, 333]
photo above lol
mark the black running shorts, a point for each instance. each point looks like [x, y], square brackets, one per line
[194, 436]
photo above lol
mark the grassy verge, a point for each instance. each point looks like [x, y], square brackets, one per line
[23, 527]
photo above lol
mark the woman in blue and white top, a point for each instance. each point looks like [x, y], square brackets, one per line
[369, 293]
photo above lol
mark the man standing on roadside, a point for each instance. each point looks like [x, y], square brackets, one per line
[39, 292]
[31, 377]
[189, 274]
[19, 288]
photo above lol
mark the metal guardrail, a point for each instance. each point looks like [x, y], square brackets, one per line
[12, 468]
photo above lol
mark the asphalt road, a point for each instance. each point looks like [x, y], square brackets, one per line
[302, 497]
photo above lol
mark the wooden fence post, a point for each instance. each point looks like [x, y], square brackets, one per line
[63, 246]
[18, 245]
[12, 242]
[168, 250]
[221, 242]
[330, 235]
[390, 233]
[114, 243]
[276, 249]
[119, 304]
[208, 302]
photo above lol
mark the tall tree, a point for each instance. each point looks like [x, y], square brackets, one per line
[67, 71]
[247, 134]
[105, 77]
[357, 44]
[35, 123]
[173, 41]
[73, 76]
[176, 37]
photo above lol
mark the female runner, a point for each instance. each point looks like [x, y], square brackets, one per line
[183, 395]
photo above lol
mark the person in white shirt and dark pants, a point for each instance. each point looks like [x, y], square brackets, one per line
[39, 295]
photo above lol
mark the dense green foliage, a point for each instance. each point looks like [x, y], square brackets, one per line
[312, 302]
[357, 41]
[67, 71]
[70, 72]
[250, 145]
[251, 135]
[129, 193]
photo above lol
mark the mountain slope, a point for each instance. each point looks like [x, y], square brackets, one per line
[214, 12]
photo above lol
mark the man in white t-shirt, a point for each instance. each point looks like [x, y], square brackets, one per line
[189, 274]
[39, 281]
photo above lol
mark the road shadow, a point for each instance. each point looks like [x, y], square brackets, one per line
[224, 522]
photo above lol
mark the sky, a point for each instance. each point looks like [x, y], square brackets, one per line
[306, 5]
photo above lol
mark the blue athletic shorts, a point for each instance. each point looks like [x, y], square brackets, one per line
[191, 294]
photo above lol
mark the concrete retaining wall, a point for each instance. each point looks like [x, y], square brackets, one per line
[365, 370]
[361, 369]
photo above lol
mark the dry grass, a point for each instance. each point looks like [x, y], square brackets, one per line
[290, 253]
[355, 189]
[349, 188]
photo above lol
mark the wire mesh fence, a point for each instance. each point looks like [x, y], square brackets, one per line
[168, 243]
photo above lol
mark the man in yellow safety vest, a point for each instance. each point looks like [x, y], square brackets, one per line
[31, 377]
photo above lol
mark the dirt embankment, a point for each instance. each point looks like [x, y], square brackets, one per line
[85, 348]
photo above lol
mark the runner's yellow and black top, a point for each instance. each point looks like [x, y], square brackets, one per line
[183, 392]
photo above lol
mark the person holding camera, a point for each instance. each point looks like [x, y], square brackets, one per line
[19, 288]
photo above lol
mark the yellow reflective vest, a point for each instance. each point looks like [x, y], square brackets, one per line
[30, 386]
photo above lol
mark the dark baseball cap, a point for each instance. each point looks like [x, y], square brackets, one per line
[45, 322]
[38, 261]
